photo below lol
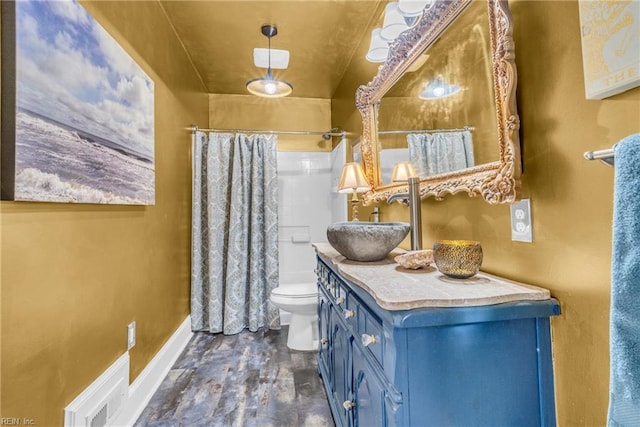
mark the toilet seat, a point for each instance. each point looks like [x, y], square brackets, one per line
[302, 290]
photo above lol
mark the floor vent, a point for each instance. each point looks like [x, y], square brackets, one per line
[100, 419]
[100, 403]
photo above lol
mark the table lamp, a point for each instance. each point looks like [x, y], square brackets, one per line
[353, 181]
[402, 172]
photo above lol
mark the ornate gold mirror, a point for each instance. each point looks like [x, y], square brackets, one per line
[445, 100]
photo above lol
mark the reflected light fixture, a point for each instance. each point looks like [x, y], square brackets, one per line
[268, 86]
[438, 88]
[378, 48]
[394, 23]
[402, 171]
[352, 180]
[398, 17]
[412, 7]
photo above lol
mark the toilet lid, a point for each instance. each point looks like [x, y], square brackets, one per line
[296, 290]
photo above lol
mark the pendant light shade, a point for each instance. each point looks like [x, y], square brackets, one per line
[268, 86]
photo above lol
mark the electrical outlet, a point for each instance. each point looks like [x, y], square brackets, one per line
[131, 335]
[521, 224]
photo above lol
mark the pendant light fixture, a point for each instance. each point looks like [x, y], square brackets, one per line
[268, 86]
[438, 88]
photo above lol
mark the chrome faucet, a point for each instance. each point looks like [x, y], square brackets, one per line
[415, 213]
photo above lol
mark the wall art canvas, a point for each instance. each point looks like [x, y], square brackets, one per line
[610, 46]
[77, 111]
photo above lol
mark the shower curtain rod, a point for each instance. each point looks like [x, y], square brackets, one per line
[325, 135]
[395, 132]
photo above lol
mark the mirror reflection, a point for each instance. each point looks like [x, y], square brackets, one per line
[445, 100]
[441, 114]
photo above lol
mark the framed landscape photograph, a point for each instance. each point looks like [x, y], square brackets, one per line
[77, 111]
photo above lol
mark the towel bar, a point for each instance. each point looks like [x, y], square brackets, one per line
[605, 156]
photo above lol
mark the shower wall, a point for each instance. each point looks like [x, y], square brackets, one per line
[338, 201]
[307, 204]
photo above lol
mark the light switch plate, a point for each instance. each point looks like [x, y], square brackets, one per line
[131, 335]
[521, 224]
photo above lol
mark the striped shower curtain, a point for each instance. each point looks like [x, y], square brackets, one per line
[234, 245]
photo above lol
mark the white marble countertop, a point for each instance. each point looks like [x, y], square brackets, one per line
[396, 288]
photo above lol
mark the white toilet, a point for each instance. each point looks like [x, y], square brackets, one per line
[301, 300]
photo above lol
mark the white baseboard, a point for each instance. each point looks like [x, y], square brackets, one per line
[143, 388]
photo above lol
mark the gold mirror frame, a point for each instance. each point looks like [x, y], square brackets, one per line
[498, 181]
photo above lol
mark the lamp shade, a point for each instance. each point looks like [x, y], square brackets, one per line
[412, 7]
[269, 87]
[352, 179]
[378, 48]
[393, 24]
[402, 171]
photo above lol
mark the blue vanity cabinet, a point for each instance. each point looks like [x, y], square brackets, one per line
[463, 366]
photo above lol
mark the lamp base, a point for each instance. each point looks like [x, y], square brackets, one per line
[354, 208]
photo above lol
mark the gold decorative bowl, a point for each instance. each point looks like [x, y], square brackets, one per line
[459, 259]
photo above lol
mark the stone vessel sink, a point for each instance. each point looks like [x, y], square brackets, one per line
[366, 241]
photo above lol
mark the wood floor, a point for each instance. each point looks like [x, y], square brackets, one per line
[248, 379]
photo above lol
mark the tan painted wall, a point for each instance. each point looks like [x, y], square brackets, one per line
[571, 200]
[74, 276]
[289, 114]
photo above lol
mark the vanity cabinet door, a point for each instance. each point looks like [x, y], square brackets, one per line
[368, 393]
[324, 314]
[340, 366]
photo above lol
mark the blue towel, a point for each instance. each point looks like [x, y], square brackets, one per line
[624, 387]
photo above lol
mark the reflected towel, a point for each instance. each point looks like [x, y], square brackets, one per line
[624, 399]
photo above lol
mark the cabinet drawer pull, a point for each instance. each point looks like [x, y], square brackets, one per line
[349, 313]
[324, 341]
[340, 300]
[368, 339]
[348, 405]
